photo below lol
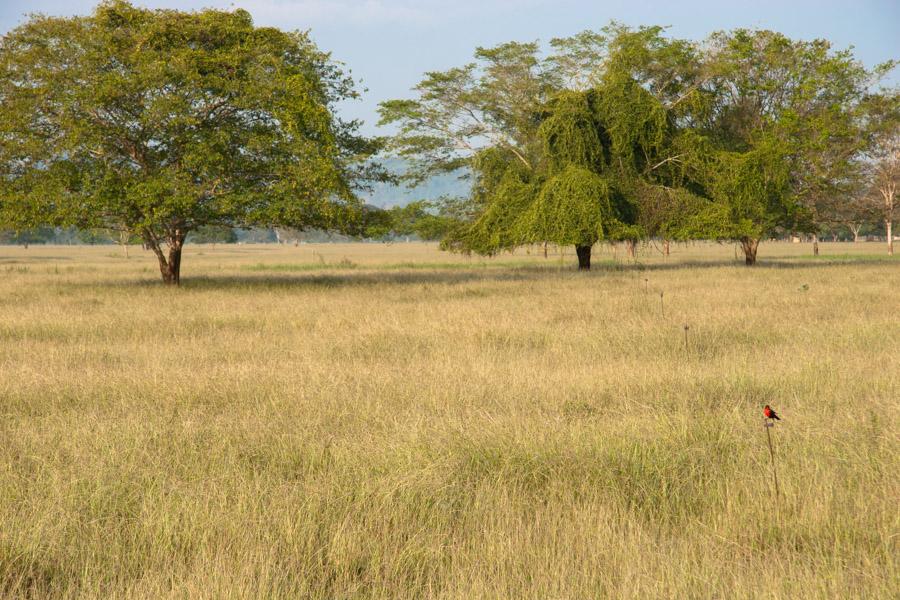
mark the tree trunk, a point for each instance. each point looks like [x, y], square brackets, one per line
[632, 245]
[545, 249]
[749, 246]
[888, 225]
[815, 238]
[666, 247]
[175, 261]
[584, 257]
[854, 228]
[124, 236]
[169, 266]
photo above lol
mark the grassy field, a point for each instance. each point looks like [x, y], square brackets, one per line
[357, 421]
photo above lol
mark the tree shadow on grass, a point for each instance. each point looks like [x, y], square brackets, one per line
[28, 260]
[357, 278]
[771, 263]
[441, 275]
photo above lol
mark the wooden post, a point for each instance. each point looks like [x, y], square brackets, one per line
[662, 308]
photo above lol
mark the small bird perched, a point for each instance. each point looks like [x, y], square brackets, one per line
[770, 414]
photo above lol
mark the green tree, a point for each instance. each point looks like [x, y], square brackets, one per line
[428, 220]
[882, 160]
[782, 135]
[160, 122]
[38, 235]
[213, 234]
[560, 148]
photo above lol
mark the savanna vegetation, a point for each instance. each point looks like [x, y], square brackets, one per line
[397, 421]
[390, 421]
[629, 134]
[158, 123]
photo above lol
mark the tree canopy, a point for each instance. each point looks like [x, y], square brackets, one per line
[562, 149]
[160, 122]
[629, 134]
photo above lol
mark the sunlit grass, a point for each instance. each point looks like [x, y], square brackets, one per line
[431, 425]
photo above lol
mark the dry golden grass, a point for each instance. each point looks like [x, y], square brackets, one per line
[395, 422]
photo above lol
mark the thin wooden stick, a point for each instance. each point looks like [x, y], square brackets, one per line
[772, 456]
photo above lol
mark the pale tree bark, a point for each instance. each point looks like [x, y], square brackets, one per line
[887, 192]
[887, 176]
[124, 236]
[888, 224]
[815, 238]
[854, 229]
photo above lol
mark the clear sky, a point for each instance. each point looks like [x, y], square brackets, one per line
[390, 43]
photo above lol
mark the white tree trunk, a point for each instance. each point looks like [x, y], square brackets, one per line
[890, 236]
[888, 194]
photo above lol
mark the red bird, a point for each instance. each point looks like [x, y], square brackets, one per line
[770, 414]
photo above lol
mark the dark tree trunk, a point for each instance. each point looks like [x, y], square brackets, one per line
[545, 249]
[169, 266]
[749, 246]
[175, 262]
[584, 257]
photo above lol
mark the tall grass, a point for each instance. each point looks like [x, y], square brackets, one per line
[453, 428]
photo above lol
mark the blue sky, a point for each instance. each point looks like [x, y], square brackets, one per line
[390, 43]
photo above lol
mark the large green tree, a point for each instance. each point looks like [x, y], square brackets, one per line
[630, 134]
[564, 148]
[782, 132]
[160, 122]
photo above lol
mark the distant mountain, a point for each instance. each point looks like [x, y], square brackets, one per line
[386, 196]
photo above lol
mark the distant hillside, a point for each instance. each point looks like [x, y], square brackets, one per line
[386, 196]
